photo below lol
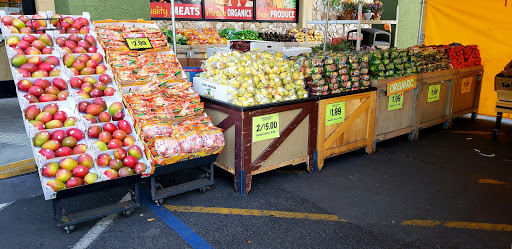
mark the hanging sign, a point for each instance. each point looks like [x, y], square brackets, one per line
[335, 113]
[265, 127]
[183, 9]
[229, 9]
[276, 10]
[137, 41]
[465, 86]
[433, 93]
[396, 101]
[401, 85]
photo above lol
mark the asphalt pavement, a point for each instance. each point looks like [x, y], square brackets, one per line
[449, 189]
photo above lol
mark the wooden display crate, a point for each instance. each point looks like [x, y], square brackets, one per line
[243, 157]
[356, 131]
[466, 91]
[397, 122]
[438, 111]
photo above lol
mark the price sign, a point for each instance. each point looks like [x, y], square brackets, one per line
[433, 93]
[265, 127]
[465, 86]
[137, 41]
[396, 101]
[335, 113]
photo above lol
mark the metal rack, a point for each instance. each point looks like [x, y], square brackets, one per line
[359, 22]
[69, 220]
[203, 183]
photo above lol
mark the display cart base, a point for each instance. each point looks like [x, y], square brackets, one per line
[293, 141]
[202, 184]
[466, 92]
[69, 220]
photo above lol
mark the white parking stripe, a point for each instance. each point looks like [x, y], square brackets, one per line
[4, 205]
[98, 228]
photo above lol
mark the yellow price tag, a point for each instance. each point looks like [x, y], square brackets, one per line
[396, 101]
[265, 127]
[335, 113]
[433, 93]
[465, 86]
[138, 43]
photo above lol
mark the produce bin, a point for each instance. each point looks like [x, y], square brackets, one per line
[434, 99]
[392, 120]
[249, 151]
[466, 91]
[345, 123]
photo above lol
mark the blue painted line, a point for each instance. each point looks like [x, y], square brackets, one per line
[175, 223]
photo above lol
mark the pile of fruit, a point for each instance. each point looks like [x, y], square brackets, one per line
[171, 122]
[31, 44]
[36, 66]
[77, 44]
[121, 162]
[402, 62]
[89, 87]
[69, 172]
[204, 36]
[42, 90]
[49, 116]
[111, 36]
[70, 25]
[60, 143]
[131, 66]
[109, 136]
[300, 35]
[85, 64]
[464, 56]
[23, 25]
[255, 77]
[335, 72]
[96, 110]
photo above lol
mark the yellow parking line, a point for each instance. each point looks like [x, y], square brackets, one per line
[254, 212]
[422, 223]
[491, 181]
[459, 224]
[17, 168]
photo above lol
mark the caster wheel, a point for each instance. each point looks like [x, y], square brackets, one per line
[204, 189]
[159, 202]
[495, 133]
[69, 228]
[127, 213]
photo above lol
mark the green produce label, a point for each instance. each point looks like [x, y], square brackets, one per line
[396, 101]
[433, 93]
[265, 127]
[335, 113]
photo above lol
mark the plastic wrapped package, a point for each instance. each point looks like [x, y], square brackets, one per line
[330, 67]
[167, 147]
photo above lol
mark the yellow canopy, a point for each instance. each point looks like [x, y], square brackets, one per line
[487, 24]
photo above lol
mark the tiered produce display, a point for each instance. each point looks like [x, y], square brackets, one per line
[64, 87]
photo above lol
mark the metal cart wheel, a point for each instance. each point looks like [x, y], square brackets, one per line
[159, 202]
[127, 213]
[69, 228]
[204, 189]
